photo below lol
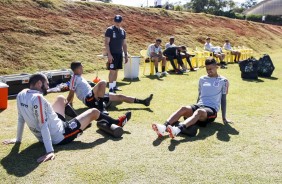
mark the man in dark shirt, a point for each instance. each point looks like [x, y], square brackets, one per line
[115, 43]
[178, 53]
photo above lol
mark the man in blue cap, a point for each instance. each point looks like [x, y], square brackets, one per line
[115, 43]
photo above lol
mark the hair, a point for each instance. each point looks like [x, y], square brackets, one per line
[158, 40]
[208, 38]
[210, 61]
[171, 38]
[36, 77]
[75, 65]
[183, 47]
[226, 40]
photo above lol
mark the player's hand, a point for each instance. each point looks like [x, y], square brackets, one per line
[226, 121]
[126, 59]
[9, 141]
[110, 58]
[46, 157]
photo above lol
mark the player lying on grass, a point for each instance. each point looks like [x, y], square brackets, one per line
[48, 122]
[213, 89]
[94, 98]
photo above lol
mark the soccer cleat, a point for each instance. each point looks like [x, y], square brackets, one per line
[112, 90]
[159, 129]
[117, 88]
[165, 73]
[173, 131]
[148, 100]
[124, 119]
[104, 111]
[158, 74]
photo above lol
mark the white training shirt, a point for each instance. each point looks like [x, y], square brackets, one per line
[208, 47]
[168, 45]
[80, 86]
[211, 90]
[40, 117]
[153, 48]
[227, 46]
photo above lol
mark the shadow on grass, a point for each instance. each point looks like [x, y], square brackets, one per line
[270, 78]
[130, 80]
[22, 163]
[222, 131]
[2, 110]
[153, 77]
[253, 80]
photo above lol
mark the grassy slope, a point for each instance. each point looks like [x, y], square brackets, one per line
[36, 38]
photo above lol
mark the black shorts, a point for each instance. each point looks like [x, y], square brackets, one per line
[117, 62]
[91, 102]
[72, 130]
[212, 114]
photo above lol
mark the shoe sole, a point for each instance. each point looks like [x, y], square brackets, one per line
[170, 132]
[155, 128]
[149, 99]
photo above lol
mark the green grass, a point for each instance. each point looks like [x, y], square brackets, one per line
[247, 151]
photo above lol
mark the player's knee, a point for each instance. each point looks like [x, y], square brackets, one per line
[183, 109]
[200, 112]
[61, 98]
[102, 84]
[94, 113]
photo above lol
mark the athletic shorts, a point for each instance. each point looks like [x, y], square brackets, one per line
[72, 130]
[117, 62]
[212, 114]
[91, 102]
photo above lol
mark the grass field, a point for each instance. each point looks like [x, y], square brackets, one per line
[247, 151]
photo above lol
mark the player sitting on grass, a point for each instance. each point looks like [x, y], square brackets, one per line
[48, 122]
[95, 97]
[213, 89]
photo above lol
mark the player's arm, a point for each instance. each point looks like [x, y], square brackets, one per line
[20, 128]
[124, 47]
[40, 108]
[107, 45]
[70, 96]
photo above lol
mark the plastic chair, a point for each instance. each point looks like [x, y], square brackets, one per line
[143, 53]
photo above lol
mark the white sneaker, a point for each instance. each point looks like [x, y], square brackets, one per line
[158, 74]
[165, 73]
[159, 129]
[173, 131]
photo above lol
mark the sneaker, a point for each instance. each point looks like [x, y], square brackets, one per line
[159, 129]
[165, 73]
[184, 70]
[223, 67]
[117, 88]
[179, 72]
[148, 100]
[105, 112]
[124, 119]
[158, 74]
[112, 90]
[192, 69]
[173, 131]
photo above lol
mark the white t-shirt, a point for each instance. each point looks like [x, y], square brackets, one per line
[80, 86]
[41, 119]
[153, 48]
[227, 46]
[158, 2]
[208, 47]
[168, 45]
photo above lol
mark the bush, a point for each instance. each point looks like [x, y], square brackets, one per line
[45, 3]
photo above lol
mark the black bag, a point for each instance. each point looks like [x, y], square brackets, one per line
[249, 68]
[265, 66]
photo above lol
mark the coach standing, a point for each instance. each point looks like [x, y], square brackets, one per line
[115, 43]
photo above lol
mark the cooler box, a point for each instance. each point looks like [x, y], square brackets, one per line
[56, 77]
[131, 68]
[3, 96]
[16, 82]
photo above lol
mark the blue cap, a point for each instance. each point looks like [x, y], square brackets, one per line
[118, 18]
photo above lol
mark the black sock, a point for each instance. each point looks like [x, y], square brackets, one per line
[181, 126]
[156, 69]
[163, 68]
[166, 123]
[70, 111]
[100, 104]
[107, 119]
[139, 101]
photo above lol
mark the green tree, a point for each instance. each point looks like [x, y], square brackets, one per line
[248, 4]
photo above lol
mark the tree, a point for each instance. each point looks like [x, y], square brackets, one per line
[248, 4]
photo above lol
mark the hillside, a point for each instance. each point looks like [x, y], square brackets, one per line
[40, 36]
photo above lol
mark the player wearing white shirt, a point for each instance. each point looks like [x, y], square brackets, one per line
[213, 89]
[227, 46]
[155, 53]
[170, 43]
[47, 122]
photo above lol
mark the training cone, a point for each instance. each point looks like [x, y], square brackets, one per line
[96, 80]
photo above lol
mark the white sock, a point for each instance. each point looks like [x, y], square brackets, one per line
[115, 83]
[111, 85]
